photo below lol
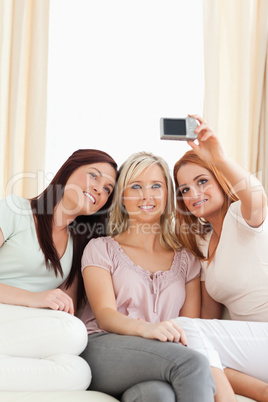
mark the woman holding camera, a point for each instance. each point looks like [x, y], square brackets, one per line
[224, 209]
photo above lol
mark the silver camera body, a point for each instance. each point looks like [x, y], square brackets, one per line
[178, 129]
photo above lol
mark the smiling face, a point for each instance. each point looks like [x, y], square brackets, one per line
[145, 196]
[200, 191]
[88, 189]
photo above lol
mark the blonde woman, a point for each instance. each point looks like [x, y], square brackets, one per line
[137, 280]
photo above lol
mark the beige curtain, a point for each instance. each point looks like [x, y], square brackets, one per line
[23, 88]
[262, 161]
[235, 99]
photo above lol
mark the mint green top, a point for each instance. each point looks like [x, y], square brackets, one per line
[22, 262]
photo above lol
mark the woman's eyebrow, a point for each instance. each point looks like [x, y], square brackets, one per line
[110, 185]
[92, 167]
[140, 181]
[195, 178]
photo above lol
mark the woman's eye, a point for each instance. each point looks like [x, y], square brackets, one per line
[108, 191]
[136, 186]
[157, 185]
[93, 175]
[202, 181]
[185, 190]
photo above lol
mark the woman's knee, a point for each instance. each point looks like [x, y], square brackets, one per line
[200, 369]
[74, 372]
[60, 372]
[42, 333]
[76, 331]
[191, 364]
[149, 391]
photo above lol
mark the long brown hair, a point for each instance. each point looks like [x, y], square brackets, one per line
[188, 226]
[82, 229]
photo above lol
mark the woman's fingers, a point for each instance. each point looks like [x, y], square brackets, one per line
[54, 299]
[163, 331]
[173, 332]
[65, 302]
[198, 118]
[192, 144]
[183, 338]
[203, 131]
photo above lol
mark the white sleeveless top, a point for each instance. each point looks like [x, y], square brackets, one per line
[238, 275]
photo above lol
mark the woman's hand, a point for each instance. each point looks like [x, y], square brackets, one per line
[208, 147]
[246, 185]
[163, 331]
[54, 299]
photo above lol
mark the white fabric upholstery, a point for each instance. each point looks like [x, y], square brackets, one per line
[71, 396]
[77, 396]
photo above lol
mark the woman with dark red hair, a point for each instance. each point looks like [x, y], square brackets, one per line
[41, 244]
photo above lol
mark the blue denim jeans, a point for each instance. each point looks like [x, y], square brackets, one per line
[135, 369]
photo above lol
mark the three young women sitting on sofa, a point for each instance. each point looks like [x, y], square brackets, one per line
[142, 237]
[42, 241]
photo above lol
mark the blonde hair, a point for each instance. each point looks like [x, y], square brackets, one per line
[187, 225]
[132, 168]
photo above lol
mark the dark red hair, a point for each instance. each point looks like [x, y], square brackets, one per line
[92, 225]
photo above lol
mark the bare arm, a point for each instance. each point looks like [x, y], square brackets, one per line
[54, 299]
[209, 307]
[100, 293]
[192, 304]
[246, 186]
[249, 190]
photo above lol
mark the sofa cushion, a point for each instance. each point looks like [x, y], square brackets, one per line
[60, 396]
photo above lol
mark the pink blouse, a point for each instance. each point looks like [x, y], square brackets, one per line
[140, 293]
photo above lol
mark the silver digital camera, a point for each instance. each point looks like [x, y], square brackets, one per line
[178, 129]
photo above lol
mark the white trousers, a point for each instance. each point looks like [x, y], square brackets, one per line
[39, 350]
[239, 345]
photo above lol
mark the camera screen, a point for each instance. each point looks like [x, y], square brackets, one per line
[174, 126]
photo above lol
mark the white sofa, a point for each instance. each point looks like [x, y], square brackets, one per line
[71, 396]
[60, 396]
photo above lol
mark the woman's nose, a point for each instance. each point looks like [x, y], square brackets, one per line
[97, 188]
[194, 192]
[146, 194]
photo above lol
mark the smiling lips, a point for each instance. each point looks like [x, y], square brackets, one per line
[90, 197]
[147, 207]
[198, 203]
